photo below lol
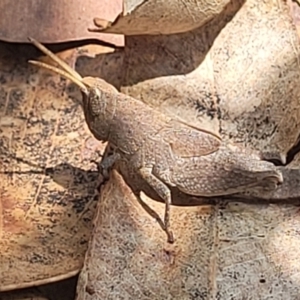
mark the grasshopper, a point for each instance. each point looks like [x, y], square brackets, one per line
[164, 151]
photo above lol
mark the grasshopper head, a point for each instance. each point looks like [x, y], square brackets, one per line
[94, 90]
[97, 95]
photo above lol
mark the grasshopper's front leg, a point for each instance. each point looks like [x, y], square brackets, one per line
[107, 162]
[164, 192]
[109, 158]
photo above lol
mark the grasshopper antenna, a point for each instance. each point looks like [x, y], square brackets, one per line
[67, 71]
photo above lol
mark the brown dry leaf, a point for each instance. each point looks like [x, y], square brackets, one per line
[48, 184]
[128, 257]
[225, 251]
[56, 21]
[230, 250]
[160, 16]
[246, 87]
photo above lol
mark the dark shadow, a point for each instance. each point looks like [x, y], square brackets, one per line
[64, 174]
[29, 51]
[173, 54]
[61, 290]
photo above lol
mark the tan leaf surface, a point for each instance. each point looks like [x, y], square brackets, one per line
[161, 16]
[225, 251]
[48, 185]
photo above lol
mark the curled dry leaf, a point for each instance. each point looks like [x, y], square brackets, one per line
[244, 86]
[160, 16]
[48, 187]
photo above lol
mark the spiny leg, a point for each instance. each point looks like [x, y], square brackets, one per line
[164, 192]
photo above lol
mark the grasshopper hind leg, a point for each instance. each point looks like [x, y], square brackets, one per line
[164, 192]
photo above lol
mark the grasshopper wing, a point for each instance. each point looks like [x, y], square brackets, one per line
[187, 141]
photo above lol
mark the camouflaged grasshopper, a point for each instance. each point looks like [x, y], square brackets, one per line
[165, 152]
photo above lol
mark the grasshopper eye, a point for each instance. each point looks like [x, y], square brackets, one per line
[94, 95]
[96, 105]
